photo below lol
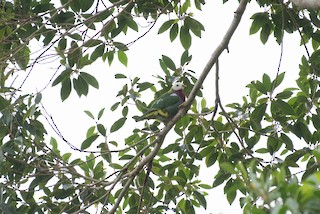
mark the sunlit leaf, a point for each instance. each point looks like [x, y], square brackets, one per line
[122, 56]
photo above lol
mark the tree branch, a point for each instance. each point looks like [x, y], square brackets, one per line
[185, 107]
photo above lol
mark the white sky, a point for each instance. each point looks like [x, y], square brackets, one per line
[248, 60]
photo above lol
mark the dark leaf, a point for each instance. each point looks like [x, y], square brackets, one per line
[201, 199]
[166, 25]
[91, 80]
[174, 32]
[168, 62]
[98, 52]
[185, 37]
[65, 89]
[92, 43]
[64, 74]
[120, 46]
[22, 56]
[88, 142]
[118, 124]
[74, 54]
[100, 113]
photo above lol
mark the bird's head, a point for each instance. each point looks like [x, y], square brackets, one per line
[177, 86]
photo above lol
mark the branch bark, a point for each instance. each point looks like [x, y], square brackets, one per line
[185, 107]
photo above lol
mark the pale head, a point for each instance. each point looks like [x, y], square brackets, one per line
[177, 86]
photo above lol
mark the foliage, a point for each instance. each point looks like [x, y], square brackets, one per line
[140, 175]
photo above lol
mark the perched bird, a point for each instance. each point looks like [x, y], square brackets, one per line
[167, 105]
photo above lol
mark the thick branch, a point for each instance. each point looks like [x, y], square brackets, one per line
[185, 107]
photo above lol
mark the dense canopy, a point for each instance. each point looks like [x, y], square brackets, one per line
[266, 147]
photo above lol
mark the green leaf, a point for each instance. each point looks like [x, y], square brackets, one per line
[185, 58]
[66, 156]
[265, 33]
[89, 114]
[195, 26]
[105, 152]
[174, 32]
[48, 36]
[38, 98]
[168, 62]
[86, 4]
[259, 20]
[228, 167]
[220, 178]
[122, 56]
[276, 82]
[257, 115]
[120, 46]
[133, 25]
[144, 86]
[185, 37]
[91, 80]
[115, 106]
[103, 15]
[90, 131]
[87, 142]
[118, 124]
[81, 86]
[164, 67]
[201, 199]
[62, 44]
[22, 57]
[64, 74]
[211, 159]
[54, 144]
[205, 186]
[98, 52]
[266, 81]
[92, 43]
[101, 129]
[65, 89]
[262, 151]
[166, 25]
[231, 196]
[6, 208]
[287, 141]
[272, 145]
[125, 111]
[100, 113]
[284, 95]
[120, 76]
[286, 109]
[260, 87]
[74, 54]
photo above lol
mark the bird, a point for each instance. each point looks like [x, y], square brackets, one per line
[167, 105]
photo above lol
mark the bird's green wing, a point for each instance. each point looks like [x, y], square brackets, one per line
[165, 100]
[163, 107]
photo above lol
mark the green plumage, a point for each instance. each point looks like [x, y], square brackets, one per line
[166, 106]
